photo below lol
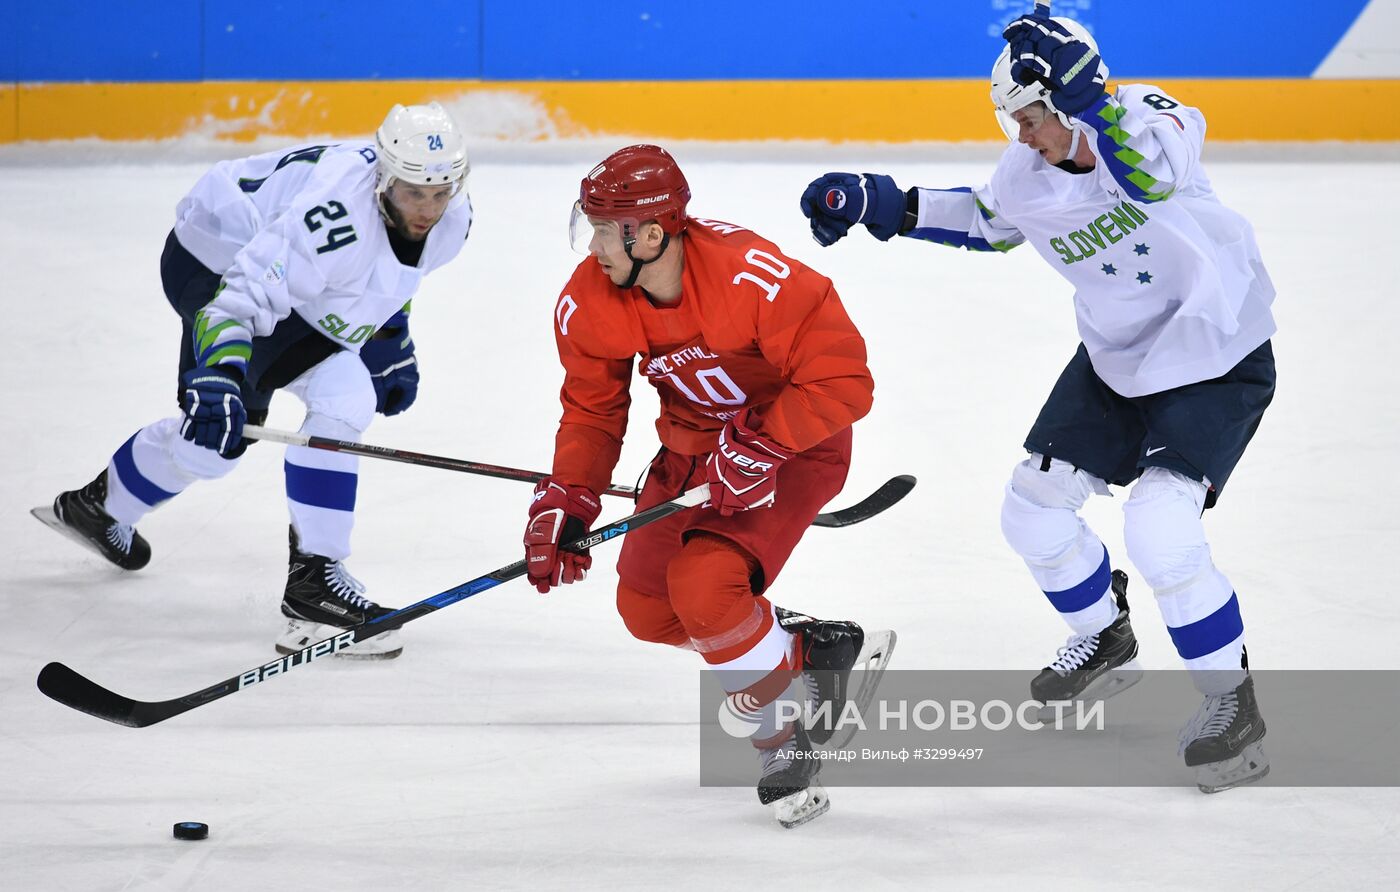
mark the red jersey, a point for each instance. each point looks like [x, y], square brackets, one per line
[753, 329]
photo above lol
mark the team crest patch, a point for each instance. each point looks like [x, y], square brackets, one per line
[835, 199]
[275, 273]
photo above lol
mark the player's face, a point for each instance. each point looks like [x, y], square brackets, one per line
[1041, 130]
[605, 245]
[416, 209]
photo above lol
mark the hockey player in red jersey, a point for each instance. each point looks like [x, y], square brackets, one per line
[760, 374]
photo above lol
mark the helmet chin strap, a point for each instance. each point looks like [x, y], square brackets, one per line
[1074, 142]
[380, 189]
[638, 264]
[1069, 165]
[389, 213]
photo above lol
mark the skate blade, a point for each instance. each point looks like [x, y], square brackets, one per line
[47, 516]
[1250, 766]
[1110, 684]
[802, 806]
[299, 635]
[874, 658]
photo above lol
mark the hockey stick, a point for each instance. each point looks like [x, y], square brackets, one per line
[81, 693]
[294, 438]
[892, 491]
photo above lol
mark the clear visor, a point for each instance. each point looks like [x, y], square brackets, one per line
[414, 209]
[1024, 121]
[594, 235]
[415, 197]
[387, 179]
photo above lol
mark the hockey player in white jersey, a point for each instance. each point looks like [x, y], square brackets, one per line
[1169, 384]
[292, 270]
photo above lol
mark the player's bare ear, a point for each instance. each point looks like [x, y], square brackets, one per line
[652, 234]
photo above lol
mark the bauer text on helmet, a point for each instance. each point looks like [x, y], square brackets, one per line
[629, 209]
[635, 185]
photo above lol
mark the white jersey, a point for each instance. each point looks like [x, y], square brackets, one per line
[1169, 285]
[301, 232]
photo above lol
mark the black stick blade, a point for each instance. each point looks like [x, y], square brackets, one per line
[71, 689]
[887, 495]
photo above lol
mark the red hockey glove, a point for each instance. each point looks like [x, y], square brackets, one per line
[559, 513]
[743, 469]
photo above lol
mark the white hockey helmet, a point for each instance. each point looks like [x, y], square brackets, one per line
[421, 144]
[1010, 96]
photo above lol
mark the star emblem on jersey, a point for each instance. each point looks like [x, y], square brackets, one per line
[1141, 250]
[1144, 278]
[835, 199]
[1110, 270]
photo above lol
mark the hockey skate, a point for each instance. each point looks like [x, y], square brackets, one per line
[831, 650]
[80, 515]
[322, 599]
[1092, 667]
[1223, 740]
[788, 781]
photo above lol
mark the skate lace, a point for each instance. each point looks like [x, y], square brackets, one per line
[809, 681]
[345, 586]
[120, 534]
[1075, 653]
[1214, 716]
[773, 760]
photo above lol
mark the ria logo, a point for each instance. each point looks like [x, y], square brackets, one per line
[835, 199]
[740, 714]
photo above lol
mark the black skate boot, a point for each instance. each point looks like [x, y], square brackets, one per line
[831, 650]
[788, 781]
[321, 599]
[1222, 741]
[80, 515]
[1093, 667]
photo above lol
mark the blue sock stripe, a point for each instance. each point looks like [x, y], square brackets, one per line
[136, 483]
[320, 488]
[1072, 600]
[1206, 636]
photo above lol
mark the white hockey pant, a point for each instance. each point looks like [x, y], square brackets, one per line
[1040, 520]
[1166, 542]
[157, 463]
[321, 485]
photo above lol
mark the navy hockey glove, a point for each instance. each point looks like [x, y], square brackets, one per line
[1044, 50]
[836, 201]
[559, 512]
[213, 405]
[392, 366]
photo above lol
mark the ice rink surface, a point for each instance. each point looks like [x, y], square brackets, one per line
[528, 742]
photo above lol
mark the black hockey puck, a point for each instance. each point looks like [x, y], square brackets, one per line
[191, 830]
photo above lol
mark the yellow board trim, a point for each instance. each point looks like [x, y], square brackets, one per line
[9, 113]
[837, 111]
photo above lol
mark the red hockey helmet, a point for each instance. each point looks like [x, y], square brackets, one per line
[635, 185]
